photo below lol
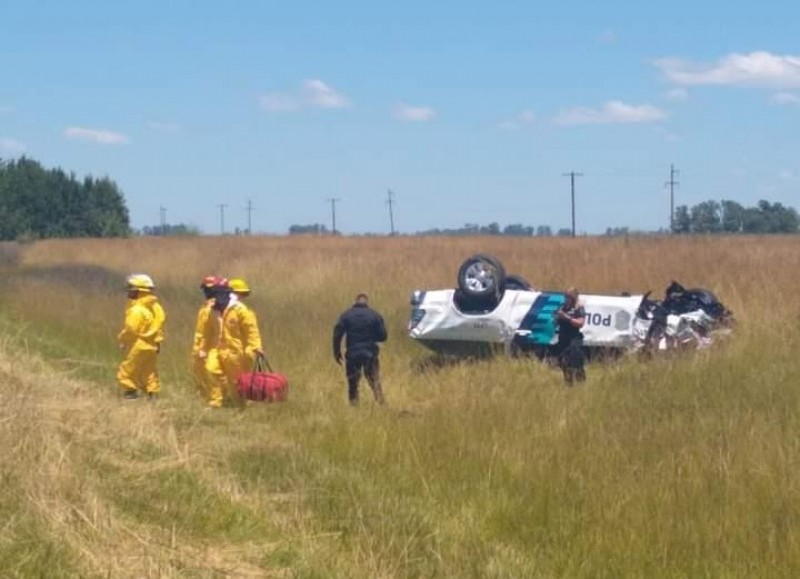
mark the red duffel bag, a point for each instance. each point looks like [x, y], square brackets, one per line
[262, 384]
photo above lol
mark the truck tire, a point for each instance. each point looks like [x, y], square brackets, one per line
[482, 277]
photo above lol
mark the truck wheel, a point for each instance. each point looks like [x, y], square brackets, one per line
[482, 277]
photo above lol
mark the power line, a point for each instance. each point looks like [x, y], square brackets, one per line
[222, 207]
[390, 202]
[249, 210]
[572, 175]
[333, 201]
[672, 183]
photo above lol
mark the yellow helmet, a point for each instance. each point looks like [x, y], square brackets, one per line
[239, 286]
[140, 282]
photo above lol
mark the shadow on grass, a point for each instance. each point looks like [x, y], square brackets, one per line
[93, 278]
[10, 254]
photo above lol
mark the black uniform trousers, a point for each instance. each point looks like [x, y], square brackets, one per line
[572, 360]
[370, 366]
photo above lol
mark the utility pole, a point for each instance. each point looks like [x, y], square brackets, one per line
[222, 207]
[163, 212]
[390, 202]
[333, 201]
[249, 210]
[672, 183]
[572, 175]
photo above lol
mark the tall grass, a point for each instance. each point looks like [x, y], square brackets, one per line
[680, 467]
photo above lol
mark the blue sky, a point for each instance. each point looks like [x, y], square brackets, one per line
[470, 112]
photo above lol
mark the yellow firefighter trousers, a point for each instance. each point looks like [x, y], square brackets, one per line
[216, 381]
[138, 371]
[203, 371]
[224, 369]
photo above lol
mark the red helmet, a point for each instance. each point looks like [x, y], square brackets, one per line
[209, 281]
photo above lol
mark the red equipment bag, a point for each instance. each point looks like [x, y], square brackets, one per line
[262, 384]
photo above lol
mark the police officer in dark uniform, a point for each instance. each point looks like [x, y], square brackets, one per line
[364, 328]
[570, 318]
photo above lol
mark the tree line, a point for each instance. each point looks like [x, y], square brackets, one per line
[38, 203]
[468, 229]
[704, 218]
[731, 217]
[169, 230]
[514, 229]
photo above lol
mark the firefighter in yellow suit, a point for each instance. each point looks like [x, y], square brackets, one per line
[141, 338]
[206, 339]
[240, 339]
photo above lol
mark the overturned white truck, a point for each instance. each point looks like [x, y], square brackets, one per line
[490, 310]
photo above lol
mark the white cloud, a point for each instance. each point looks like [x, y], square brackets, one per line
[404, 112]
[758, 69]
[99, 136]
[523, 119]
[785, 98]
[786, 174]
[319, 94]
[312, 93]
[164, 126]
[11, 146]
[677, 94]
[278, 102]
[612, 112]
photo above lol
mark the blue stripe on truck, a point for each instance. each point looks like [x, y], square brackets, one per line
[540, 321]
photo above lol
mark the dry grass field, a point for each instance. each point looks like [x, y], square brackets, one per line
[684, 466]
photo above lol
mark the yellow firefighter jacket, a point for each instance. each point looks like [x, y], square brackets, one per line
[144, 324]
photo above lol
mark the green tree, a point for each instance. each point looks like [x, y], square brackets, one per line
[315, 228]
[732, 216]
[777, 218]
[705, 217]
[171, 230]
[39, 203]
[518, 229]
[491, 229]
[682, 221]
[754, 221]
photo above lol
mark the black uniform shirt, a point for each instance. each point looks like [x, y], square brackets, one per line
[566, 330]
[364, 327]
